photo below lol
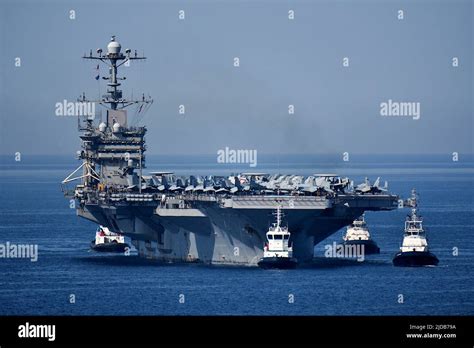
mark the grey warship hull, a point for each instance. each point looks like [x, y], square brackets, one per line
[230, 231]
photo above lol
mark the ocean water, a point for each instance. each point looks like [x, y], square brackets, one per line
[33, 211]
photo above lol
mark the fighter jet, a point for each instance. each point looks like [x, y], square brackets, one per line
[177, 185]
[330, 183]
[366, 187]
[160, 180]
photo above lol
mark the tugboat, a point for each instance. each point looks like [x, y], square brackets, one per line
[277, 253]
[414, 251]
[358, 234]
[107, 241]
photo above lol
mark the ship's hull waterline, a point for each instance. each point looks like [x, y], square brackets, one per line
[278, 263]
[415, 259]
[212, 234]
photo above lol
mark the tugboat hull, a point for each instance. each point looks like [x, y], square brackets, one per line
[277, 263]
[110, 247]
[415, 259]
[370, 247]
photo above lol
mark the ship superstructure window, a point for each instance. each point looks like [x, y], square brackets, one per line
[270, 236]
[278, 236]
[286, 237]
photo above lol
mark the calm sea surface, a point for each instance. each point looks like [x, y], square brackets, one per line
[33, 210]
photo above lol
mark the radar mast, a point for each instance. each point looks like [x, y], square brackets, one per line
[114, 59]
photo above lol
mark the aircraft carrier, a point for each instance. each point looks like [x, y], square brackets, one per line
[211, 219]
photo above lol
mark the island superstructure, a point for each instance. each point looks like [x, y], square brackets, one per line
[212, 219]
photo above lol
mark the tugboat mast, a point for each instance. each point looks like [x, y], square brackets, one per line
[278, 216]
[414, 206]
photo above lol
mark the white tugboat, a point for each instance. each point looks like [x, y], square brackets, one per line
[278, 253]
[358, 234]
[108, 241]
[414, 250]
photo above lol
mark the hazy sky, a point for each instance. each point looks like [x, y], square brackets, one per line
[282, 62]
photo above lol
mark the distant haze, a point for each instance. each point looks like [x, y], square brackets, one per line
[282, 62]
